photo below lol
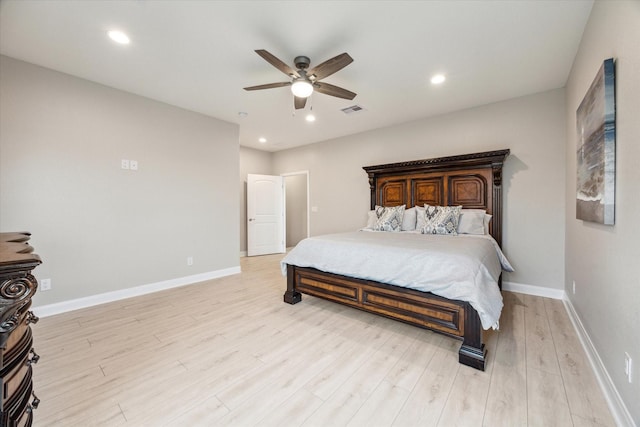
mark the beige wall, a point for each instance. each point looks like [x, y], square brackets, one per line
[603, 260]
[251, 162]
[97, 227]
[533, 127]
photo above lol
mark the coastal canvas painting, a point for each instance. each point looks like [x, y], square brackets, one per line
[596, 166]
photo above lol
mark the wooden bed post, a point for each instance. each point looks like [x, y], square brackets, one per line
[472, 352]
[372, 187]
[291, 296]
[496, 168]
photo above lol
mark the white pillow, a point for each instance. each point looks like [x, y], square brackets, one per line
[389, 218]
[441, 219]
[420, 218]
[371, 220]
[409, 219]
[471, 221]
[487, 221]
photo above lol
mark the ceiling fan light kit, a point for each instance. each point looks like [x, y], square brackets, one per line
[302, 88]
[304, 82]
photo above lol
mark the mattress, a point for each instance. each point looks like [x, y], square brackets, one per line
[462, 267]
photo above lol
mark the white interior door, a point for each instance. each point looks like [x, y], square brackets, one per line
[265, 215]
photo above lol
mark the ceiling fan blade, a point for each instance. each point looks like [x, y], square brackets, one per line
[332, 90]
[299, 102]
[268, 86]
[277, 63]
[330, 66]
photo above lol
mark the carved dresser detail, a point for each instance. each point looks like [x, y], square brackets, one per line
[17, 356]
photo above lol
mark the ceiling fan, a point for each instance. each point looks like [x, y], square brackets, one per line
[305, 81]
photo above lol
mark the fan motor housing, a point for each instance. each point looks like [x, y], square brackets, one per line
[302, 62]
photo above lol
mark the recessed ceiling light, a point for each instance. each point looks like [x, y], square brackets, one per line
[118, 37]
[310, 118]
[438, 79]
[262, 140]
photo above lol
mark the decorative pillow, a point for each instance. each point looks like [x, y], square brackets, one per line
[389, 218]
[409, 219]
[471, 221]
[441, 219]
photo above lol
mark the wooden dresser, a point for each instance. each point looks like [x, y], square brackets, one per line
[17, 287]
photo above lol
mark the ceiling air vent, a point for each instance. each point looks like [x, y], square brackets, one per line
[353, 109]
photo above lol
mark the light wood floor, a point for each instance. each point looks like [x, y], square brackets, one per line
[230, 352]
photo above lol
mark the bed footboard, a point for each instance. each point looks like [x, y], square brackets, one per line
[453, 318]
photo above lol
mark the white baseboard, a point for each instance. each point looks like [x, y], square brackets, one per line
[618, 409]
[90, 301]
[538, 291]
[243, 254]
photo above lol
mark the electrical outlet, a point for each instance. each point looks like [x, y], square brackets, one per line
[124, 164]
[45, 284]
[133, 165]
[574, 287]
[627, 366]
[190, 260]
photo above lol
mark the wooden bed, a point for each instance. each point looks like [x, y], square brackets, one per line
[470, 180]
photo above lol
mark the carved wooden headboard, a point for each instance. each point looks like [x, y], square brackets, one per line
[471, 180]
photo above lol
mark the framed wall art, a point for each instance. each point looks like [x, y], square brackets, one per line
[596, 153]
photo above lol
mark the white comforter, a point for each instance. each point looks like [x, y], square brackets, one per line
[463, 267]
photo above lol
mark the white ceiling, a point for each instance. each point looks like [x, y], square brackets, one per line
[198, 55]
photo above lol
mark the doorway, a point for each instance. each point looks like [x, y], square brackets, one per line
[297, 206]
[264, 234]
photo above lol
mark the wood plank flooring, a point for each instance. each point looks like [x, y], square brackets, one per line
[231, 352]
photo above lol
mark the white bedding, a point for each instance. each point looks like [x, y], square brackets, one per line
[463, 267]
